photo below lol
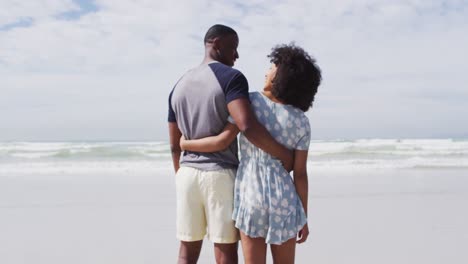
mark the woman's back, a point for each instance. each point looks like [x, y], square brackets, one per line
[287, 124]
[266, 203]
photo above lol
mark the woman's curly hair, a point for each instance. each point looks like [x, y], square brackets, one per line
[297, 76]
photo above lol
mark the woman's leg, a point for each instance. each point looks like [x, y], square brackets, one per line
[254, 249]
[285, 252]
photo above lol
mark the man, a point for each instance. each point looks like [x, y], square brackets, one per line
[199, 106]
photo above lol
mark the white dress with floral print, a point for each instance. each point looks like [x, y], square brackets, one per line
[266, 203]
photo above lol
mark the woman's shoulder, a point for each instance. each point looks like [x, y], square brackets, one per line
[255, 94]
[299, 118]
[256, 99]
[295, 112]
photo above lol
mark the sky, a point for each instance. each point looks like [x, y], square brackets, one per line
[89, 70]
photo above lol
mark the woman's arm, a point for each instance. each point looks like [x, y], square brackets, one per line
[211, 144]
[301, 182]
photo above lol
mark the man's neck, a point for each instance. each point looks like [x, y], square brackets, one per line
[207, 60]
[209, 56]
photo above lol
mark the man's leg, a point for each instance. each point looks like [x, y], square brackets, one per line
[191, 222]
[219, 201]
[226, 253]
[189, 252]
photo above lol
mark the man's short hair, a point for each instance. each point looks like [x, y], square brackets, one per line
[217, 31]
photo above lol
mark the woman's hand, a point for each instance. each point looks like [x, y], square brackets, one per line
[182, 143]
[303, 234]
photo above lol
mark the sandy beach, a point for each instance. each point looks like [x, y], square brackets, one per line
[127, 216]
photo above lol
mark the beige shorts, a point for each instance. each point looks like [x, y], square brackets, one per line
[205, 202]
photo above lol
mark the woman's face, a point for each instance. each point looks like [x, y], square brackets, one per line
[269, 76]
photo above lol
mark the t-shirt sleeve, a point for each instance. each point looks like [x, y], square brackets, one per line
[237, 88]
[304, 133]
[171, 114]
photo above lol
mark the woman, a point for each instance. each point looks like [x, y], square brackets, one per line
[270, 207]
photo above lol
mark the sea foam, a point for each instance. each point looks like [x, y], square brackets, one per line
[362, 153]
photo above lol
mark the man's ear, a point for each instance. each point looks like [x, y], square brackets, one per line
[216, 43]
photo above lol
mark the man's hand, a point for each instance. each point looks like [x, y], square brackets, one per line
[174, 144]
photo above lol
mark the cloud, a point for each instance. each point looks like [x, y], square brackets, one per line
[386, 64]
[12, 11]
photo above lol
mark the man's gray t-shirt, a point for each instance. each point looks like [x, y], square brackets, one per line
[198, 103]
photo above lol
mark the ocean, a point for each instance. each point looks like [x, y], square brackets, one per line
[357, 154]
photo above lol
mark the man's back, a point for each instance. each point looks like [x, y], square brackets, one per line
[198, 103]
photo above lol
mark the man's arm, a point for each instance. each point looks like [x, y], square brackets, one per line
[174, 139]
[240, 111]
